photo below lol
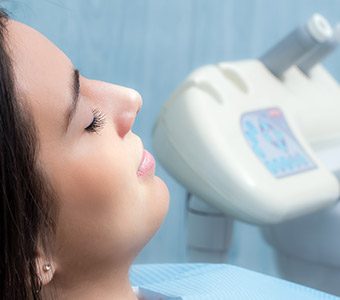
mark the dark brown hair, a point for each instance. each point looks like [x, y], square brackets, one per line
[26, 214]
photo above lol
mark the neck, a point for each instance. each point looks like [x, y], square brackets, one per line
[91, 285]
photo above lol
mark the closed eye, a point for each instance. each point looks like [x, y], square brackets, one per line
[97, 123]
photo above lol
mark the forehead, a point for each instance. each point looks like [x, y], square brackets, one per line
[42, 72]
[33, 54]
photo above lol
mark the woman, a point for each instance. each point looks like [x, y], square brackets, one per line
[79, 198]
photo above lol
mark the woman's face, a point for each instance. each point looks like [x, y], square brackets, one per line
[106, 211]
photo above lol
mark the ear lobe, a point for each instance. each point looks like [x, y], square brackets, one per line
[45, 269]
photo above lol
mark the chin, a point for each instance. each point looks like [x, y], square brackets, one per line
[160, 205]
[164, 197]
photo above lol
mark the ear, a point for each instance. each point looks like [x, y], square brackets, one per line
[45, 268]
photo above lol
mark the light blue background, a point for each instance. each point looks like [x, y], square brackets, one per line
[152, 45]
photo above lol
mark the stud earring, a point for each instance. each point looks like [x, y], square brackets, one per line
[47, 267]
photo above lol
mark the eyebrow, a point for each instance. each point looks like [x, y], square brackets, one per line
[75, 87]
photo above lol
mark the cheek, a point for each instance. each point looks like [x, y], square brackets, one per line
[101, 199]
[94, 180]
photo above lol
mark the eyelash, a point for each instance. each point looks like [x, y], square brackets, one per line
[97, 123]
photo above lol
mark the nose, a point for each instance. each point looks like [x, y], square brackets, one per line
[130, 103]
[122, 104]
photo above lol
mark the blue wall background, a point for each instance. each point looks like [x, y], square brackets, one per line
[152, 45]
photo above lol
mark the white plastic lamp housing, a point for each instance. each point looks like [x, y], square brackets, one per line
[264, 175]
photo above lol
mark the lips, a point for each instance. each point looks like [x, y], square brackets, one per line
[147, 164]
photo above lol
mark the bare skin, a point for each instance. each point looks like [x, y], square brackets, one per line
[107, 212]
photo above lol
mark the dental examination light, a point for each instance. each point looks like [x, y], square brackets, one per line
[251, 137]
